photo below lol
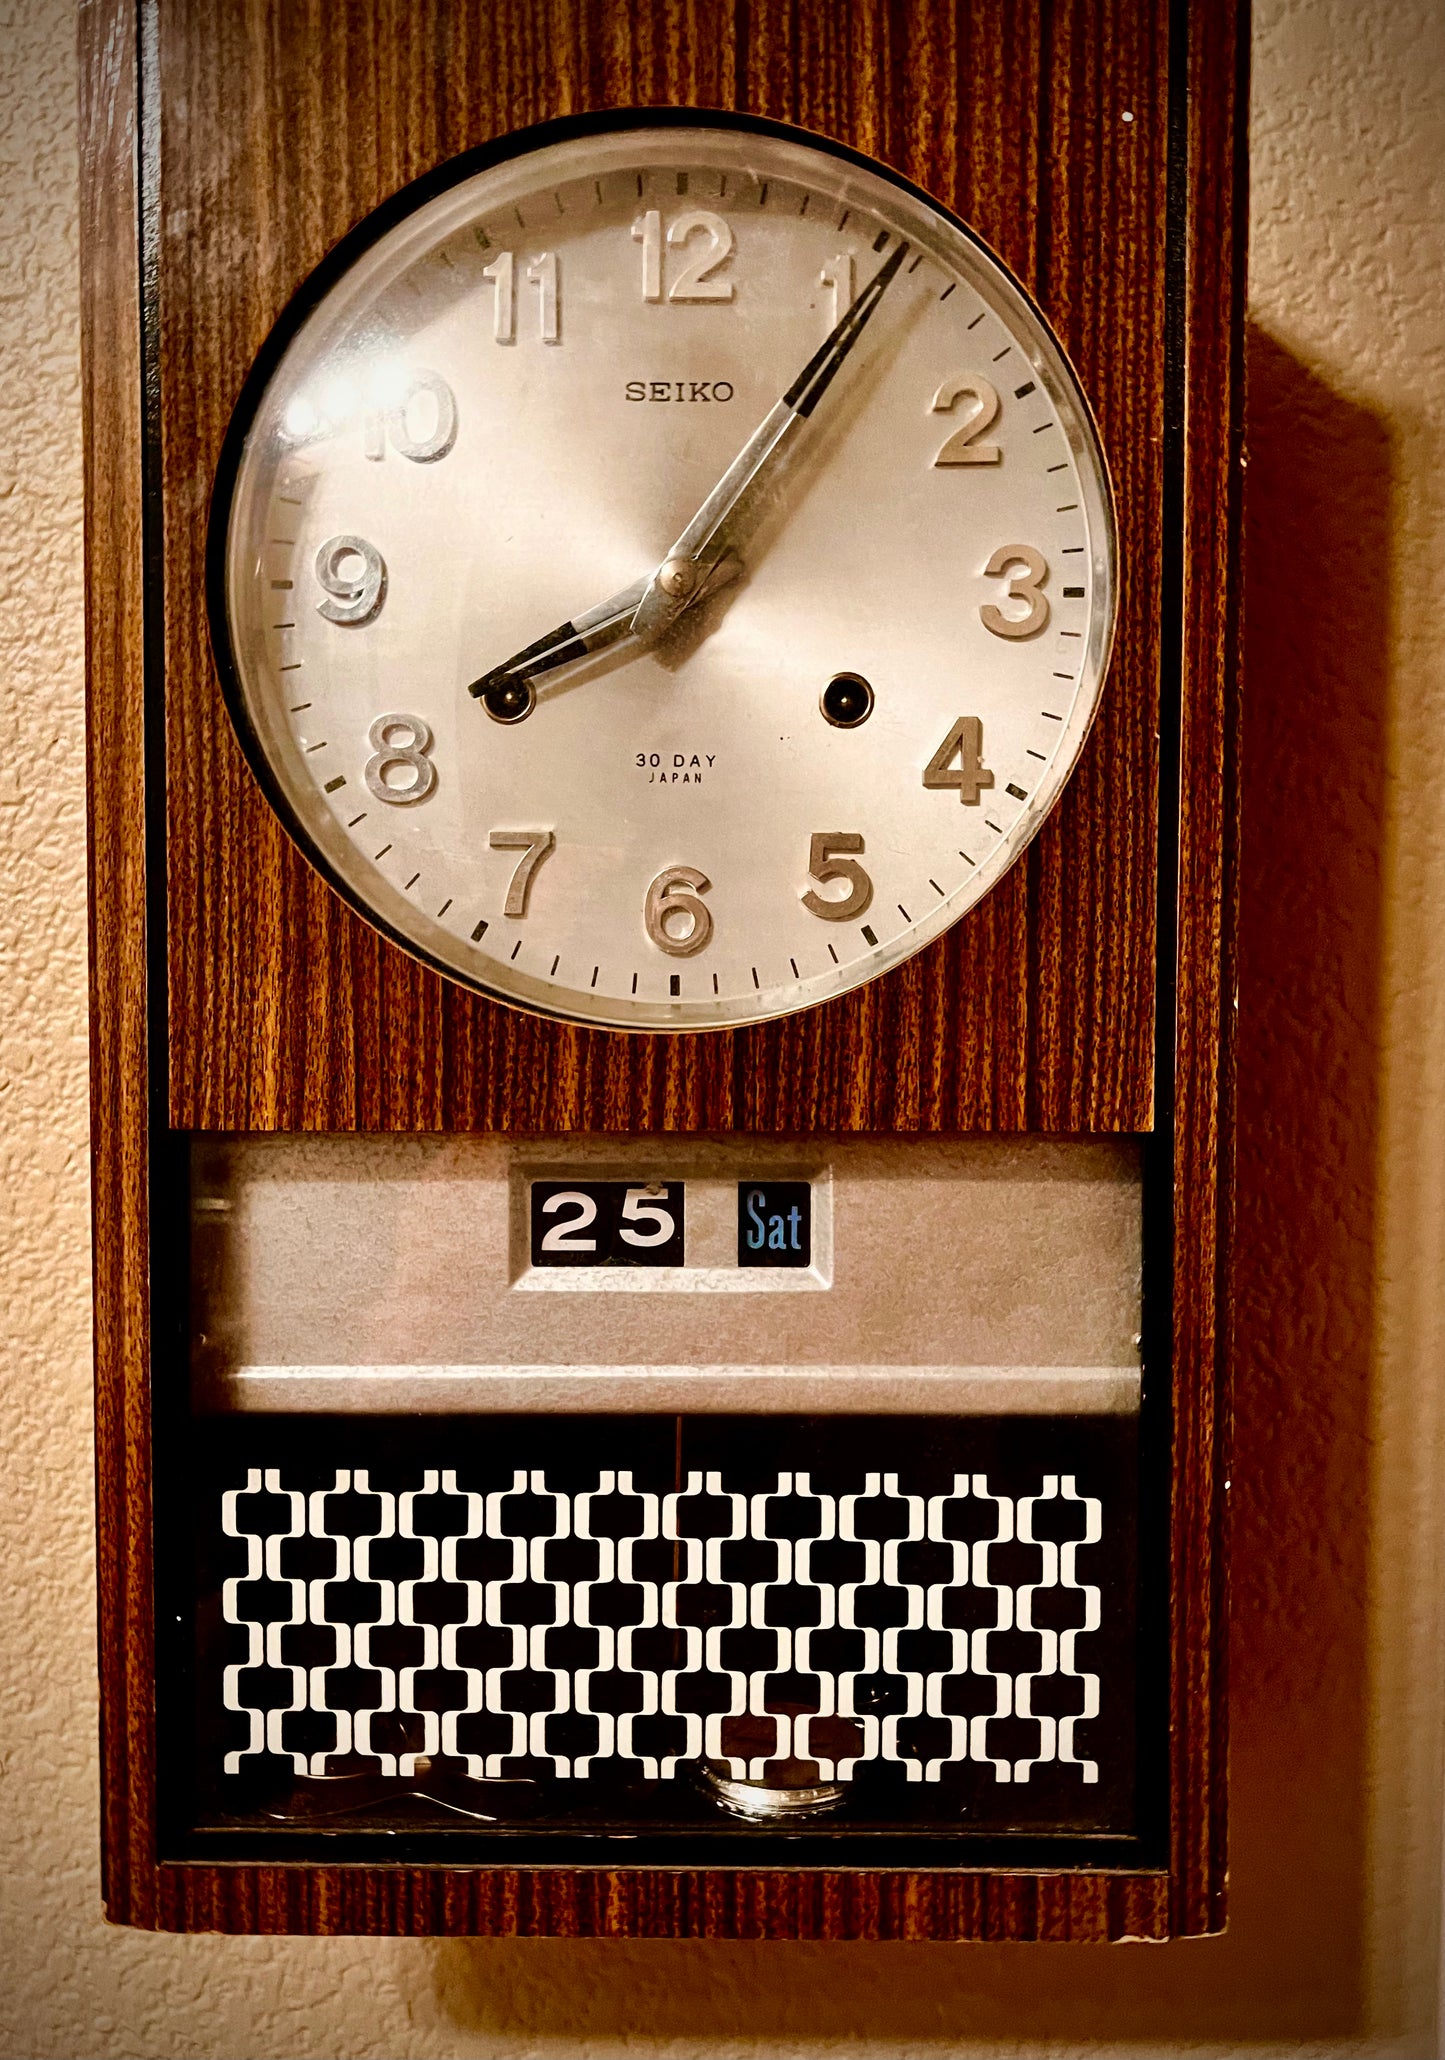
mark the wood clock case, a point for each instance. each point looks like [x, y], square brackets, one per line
[1098, 145]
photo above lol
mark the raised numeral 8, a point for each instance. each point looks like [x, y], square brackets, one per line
[400, 742]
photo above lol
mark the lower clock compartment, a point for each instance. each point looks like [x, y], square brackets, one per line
[704, 1634]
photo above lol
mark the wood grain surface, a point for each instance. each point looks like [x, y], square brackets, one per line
[119, 1040]
[277, 127]
[280, 128]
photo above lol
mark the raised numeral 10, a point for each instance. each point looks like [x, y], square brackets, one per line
[399, 422]
[971, 776]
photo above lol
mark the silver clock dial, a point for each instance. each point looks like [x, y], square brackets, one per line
[667, 575]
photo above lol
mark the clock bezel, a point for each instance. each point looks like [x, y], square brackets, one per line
[669, 1019]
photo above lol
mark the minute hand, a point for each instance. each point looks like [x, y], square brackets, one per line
[682, 574]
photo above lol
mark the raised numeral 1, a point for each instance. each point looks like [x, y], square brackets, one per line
[838, 275]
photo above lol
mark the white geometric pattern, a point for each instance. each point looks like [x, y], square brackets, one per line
[394, 1673]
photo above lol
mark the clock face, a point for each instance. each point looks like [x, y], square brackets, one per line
[664, 577]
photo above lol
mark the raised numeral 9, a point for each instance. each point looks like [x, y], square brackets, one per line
[825, 865]
[353, 573]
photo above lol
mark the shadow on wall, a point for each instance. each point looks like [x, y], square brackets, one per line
[1292, 1962]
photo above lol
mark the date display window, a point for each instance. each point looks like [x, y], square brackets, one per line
[775, 1223]
[607, 1223]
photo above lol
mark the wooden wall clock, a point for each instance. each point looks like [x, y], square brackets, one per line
[663, 594]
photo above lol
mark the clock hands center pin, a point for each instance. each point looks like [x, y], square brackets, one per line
[705, 556]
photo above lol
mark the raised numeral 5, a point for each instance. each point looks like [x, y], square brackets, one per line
[825, 864]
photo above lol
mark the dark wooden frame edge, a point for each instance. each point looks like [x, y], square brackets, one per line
[127, 995]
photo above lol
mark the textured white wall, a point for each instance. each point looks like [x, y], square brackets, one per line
[1333, 1945]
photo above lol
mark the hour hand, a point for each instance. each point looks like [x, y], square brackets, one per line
[507, 692]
